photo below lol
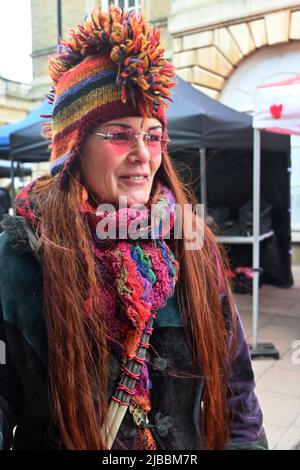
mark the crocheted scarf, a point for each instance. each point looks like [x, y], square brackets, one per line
[139, 275]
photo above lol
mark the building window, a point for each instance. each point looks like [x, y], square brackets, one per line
[128, 4]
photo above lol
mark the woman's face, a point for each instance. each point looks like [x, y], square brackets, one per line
[114, 168]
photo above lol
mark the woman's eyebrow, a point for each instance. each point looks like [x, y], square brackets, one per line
[127, 126]
[121, 124]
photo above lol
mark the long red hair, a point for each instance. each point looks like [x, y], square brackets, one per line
[77, 343]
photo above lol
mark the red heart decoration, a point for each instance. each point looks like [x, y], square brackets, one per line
[276, 110]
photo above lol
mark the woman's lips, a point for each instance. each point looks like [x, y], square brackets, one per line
[131, 180]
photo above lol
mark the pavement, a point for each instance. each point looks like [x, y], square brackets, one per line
[277, 381]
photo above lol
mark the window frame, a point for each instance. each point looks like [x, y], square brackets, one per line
[137, 3]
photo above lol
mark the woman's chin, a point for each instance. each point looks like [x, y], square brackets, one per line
[138, 197]
[137, 201]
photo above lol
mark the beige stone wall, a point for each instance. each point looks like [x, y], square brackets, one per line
[14, 101]
[207, 57]
[44, 38]
[155, 10]
[44, 35]
[194, 14]
[10, 113]
[43, 19]
[73, 13]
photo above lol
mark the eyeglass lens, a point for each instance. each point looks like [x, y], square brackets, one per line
[122, 141]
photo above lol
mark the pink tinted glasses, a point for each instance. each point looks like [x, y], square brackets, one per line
[122, 141]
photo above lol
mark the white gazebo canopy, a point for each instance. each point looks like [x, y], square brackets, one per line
[276, 109]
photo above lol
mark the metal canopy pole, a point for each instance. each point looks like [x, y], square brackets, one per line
[202, 153]
[12, 177]
[262, 349]
[256, 227]
[59, 20]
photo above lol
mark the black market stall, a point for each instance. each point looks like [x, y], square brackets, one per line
[27, 145]
[19, 169]
[24, 135]
[5, 173]
[34, 117]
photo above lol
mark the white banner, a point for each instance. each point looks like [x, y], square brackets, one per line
[277, 107]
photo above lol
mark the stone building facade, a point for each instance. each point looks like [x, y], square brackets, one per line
[212, 38]
[207, 39]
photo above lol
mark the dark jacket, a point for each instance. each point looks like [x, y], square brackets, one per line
[176, 401]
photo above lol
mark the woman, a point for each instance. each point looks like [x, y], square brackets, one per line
[95, 322]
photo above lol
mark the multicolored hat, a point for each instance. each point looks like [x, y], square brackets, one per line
[111, 66]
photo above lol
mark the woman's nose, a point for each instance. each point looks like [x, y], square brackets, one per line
[139, 149]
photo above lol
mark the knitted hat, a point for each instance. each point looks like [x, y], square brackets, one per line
[112, 66]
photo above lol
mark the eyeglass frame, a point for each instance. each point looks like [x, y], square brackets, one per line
[108, 136]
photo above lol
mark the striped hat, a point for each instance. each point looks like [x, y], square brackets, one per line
[111, 66]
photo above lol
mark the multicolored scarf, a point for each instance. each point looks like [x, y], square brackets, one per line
[139, 275]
